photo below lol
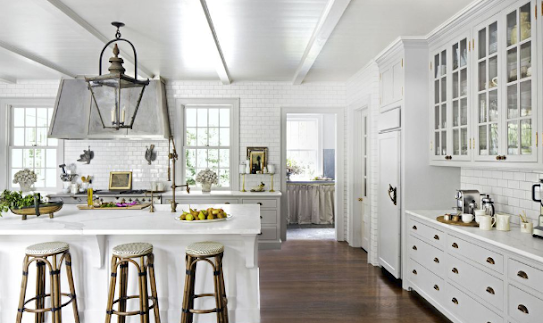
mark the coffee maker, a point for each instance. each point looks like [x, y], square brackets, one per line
[538, 230]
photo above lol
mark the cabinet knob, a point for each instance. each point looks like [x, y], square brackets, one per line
[414, 271]
[454, 270]
[490, 290]
[490, 261]
[260, 233]
[436, 260]
[414, 247]
[436, 287]
[259, 203]
[455, 301]
[261, 216]
[455, 245]
[226, 202]
[504, 157]
[436, 237]
[523, 309]
[498, 157]
[522, 275]
[414, 227]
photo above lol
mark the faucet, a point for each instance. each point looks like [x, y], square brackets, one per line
[173, 157]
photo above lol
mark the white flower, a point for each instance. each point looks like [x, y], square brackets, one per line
[25, 177]
[207, 176]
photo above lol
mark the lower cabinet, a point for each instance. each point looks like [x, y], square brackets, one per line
[471, 281]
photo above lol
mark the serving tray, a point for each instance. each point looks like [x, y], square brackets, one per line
[178, 218]
[459, 222]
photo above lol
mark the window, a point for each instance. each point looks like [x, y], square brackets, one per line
[304, 145]
[29, 146]
[210, 141]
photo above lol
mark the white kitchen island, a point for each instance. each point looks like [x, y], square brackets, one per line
[92, 234]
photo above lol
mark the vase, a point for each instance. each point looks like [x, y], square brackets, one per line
[25, 188]
[206, 187]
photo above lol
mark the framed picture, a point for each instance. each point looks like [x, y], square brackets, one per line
[120, 180]
[258, 159]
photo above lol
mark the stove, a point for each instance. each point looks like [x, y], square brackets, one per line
[107, 196]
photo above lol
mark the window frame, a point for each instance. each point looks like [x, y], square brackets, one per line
[6, 118]
[180, 133]
[320, 144]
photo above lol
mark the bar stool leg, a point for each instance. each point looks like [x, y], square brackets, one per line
[40, 290]
[112, 284]
[144, 299]
[151, 268]
[123, 286]
[72, 286]
[217, 288]
[55, 292]
[186, 292]
[23, 290]
[222, 290]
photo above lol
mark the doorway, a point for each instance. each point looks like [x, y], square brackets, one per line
[312, 164]
[361, 183]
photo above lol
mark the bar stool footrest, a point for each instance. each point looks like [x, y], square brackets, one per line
[150, 298]
[49, 309]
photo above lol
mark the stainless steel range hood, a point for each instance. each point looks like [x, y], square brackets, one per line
[74, 118]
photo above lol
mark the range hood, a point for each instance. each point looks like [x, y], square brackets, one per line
[74, 118]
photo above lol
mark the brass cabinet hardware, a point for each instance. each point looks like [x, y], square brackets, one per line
[436, 260]
[498, 157]
[522, 275]
[360, 199]
[414, 247]
[455, 301]
[504, 157]
[536, 139]
[454, 270]
[490, 261]
[430, 65]
[226, 202]
[414, 271]
[436, 237]
[523, 309]
[448, 157]
[402, 62]
[436, 287]
[535, 12]
[259, 203]
[490, 290]
[414, 227]
[454, 245]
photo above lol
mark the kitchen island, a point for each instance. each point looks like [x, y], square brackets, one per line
[92, 234]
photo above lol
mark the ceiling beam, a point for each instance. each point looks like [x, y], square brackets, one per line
[66, 11]
[7, 79]
[328, 21]
[35, 58]
[220, 63]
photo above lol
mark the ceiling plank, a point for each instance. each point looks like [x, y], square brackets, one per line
[220, 63]
[328, 21]
[63, 9]
[35, 58]
[7, 79]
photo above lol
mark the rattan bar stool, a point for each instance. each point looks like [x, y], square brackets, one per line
[203, 251]
[123, 255]
[48, 255]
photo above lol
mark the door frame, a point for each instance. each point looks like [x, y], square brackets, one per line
[340, 164]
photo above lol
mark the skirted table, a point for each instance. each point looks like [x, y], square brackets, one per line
[311, 202]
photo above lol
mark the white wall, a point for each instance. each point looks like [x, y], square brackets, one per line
[329, 131]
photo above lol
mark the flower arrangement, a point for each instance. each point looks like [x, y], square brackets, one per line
[207, 177]
[26, 178]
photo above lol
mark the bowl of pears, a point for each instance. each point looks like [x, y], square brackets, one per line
[202, 216]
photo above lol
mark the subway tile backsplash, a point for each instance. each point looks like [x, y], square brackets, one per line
[511, 190]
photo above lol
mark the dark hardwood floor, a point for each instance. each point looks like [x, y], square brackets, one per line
[327, 281]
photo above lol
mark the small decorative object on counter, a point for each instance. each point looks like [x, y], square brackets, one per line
[259, 188]
[526, 226]
[150, 154]
[25, 178]
[31, 204]
[242, 172]
[502, 222]
[271, 169]
[66, 177]
[271, 189]
[207, 177]
[87, 156]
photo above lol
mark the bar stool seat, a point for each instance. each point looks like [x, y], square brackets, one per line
[47, 248]
[135, 249]
[206, 248]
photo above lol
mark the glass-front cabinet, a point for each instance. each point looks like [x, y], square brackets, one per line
[440, 105]
[459, 100]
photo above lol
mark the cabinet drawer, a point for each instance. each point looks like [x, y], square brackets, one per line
[203, 202]
[430, 257]
[479, 283]
[488, 258]
[426, 281]
[524, 307]
[261, 202]
[269, 216]
[528, 275]
[268, 233]
[429, 234]
[467, 308]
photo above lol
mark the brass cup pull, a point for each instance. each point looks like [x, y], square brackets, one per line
[454, 270]
[414, 227]
[490, 290]
[504, 157]
[436, 237]
[226, 202]
[498, 157]
[414, 271]
[436, 287]
[490, 261]
[522, 275]
[414, 247]
[523, 309]
[454, 245]
[455, 301]
[436, 260]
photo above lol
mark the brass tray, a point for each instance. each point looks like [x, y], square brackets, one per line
[441, 219]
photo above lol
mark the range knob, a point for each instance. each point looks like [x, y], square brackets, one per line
[130, 200]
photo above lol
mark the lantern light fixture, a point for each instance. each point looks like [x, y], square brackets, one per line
[116, 93]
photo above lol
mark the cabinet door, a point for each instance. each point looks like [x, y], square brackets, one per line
[439, 106]
[459, 125]
[487, 110]
[519, 92]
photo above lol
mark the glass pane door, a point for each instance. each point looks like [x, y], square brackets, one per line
[487, 110]
[519, 117]
[460, 98]
[440, 103]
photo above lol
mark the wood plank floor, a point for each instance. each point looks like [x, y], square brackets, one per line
[328, 281]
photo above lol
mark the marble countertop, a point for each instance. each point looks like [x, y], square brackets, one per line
[311, 182]
[514, 240]
[72, 221]
[183, 193]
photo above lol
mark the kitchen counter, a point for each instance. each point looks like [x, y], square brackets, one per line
[92, 233]
[514, 241]
[311, 182]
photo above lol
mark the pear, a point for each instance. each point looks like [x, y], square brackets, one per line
[210, 216]
[183, 216]
[189, 217]
[215, 211]
[201, 216]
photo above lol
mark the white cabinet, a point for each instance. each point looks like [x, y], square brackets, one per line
[391, 88]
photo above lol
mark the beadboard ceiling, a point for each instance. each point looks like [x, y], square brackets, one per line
[259, 40]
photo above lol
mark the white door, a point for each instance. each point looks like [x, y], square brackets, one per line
[361, 206]
[389, 221]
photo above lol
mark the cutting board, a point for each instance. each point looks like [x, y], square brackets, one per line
[133, 207]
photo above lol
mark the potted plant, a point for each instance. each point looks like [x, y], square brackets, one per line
[207, 177]
[25, 178]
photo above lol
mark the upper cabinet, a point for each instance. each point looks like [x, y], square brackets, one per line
[391, 87]
[484, 91]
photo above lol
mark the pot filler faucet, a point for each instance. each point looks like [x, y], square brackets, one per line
[173, 157]
[538, 230]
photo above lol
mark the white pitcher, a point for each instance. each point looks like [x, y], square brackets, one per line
[502, 222]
